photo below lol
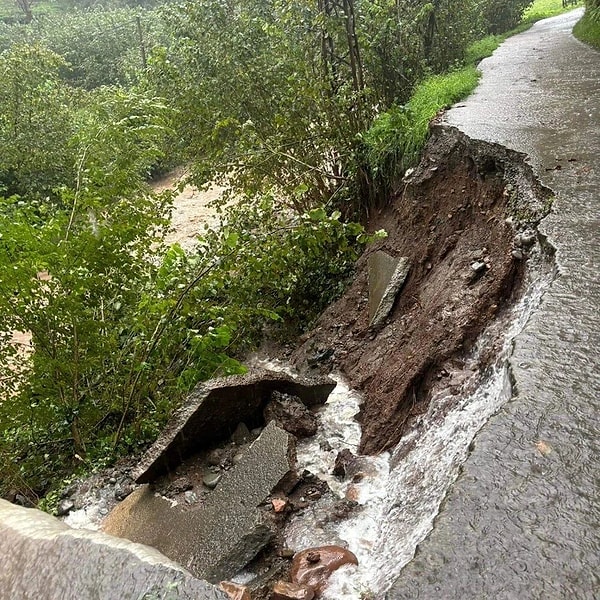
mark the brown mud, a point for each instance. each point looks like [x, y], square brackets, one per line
[456, 220]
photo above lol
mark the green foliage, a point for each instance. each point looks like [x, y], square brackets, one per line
[270, 107]
[542, 9]
[99, 46]
[297, 109]
[503, 15]
[254, 108]
[588, 28]
[120, 336]
[482, 48]
[95, 256]
[35, 121]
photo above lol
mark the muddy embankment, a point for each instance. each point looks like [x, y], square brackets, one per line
[466, 220]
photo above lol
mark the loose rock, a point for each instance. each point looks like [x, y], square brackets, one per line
[214, 407]
[345, 464]
[528, 238]
[241, 435]
[65, 507]
[314, 566]
[478, 266]
[210, 480]
[279, 504]
[190, 497]
[179, 486]
[291, 414]
[235, 591]
[216, 540]
[284, 590]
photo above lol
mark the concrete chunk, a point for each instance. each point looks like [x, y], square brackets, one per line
[218, 539]
[215, 408]
[386, 278]
[42, 557]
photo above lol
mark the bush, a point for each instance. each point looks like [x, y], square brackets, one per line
[503, 15]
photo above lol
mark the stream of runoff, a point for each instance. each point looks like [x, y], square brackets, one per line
[399, 493]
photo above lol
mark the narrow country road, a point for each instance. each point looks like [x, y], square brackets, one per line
[523, 519]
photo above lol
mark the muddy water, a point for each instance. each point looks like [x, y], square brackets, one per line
[523, 519]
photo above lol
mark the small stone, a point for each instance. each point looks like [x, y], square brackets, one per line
[313, 494]
[543, 447]
[180, 485]
[325, 446]
[291, 414]
[215, 457]
[237, 458]
[235, 591]
[65, 507]
[112, 480]
[352, 493]
[190, 497]
[478, 266]
[320, 356]
[241, 435]
[123, 490]
[284, 590]
[345, 464]
[528, 238]
[22, 500]
[279, 504]
[210, 480]
[305, 570]
[517, 254]
[286, 553]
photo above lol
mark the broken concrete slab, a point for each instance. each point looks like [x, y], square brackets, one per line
[41, 557]
[218, 539]
[386, 278]
[381, 267]
[215, 408]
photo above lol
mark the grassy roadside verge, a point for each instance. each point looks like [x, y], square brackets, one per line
[587, 29]
[542, 9]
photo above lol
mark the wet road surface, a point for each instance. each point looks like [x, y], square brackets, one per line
[523, 519]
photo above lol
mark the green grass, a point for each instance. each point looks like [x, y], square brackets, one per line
[542, 9]
[429, 97]
[588, 30]
[483, 48]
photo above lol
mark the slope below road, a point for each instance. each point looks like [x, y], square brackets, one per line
[522, 519]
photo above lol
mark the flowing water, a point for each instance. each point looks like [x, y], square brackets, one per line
[400, 493]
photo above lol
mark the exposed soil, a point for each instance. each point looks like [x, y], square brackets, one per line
[463, 205]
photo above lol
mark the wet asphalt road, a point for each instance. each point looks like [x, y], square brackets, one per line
[523, 519]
